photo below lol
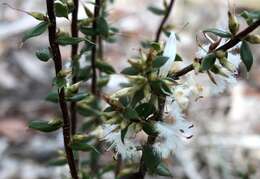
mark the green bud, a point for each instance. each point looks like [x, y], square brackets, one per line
[253, 39]
[64, 73]
[79, 138]
[196, 65]
[55, 122]
[233, 23]
[220, 54]
[74, 88]
[37, 15]
[135, 63]
[70, 4]
[225, 63]
[137, 79]
[124, 92]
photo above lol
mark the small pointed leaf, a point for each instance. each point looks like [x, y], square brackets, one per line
[218, 32]
[208, 61]
[36, 31]
[43, 54]
[246, 55]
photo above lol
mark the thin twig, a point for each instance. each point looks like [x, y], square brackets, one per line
[231, 43]
[58, 67]
[94, 48]
[74, 58]
[165, 18]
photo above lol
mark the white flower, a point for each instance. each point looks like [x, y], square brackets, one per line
[127, 150]
[170, 52]
[171, 136]
[173, 130]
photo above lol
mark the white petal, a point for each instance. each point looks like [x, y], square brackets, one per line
[170, 52]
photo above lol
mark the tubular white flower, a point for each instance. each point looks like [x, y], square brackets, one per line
[170, 52]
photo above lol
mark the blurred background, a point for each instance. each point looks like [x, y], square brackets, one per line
[226, 143]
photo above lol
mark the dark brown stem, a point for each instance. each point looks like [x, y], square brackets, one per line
[94, 48]
[58, 67]
[118, 165]
[165, 18]
[74, 58]
[231, 43]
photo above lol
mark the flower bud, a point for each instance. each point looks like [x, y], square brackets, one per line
[233, 23]
[135, 63]
[254, 39]
[74, 88]
[63, 73]
[137, 79]
[225, 63]
[55, 122]
[38, 15]
[124, 92]
[220, 54]
[79, 138]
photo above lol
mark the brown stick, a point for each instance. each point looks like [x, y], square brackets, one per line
[231, 43]
[165, 18]
[94, 48]
[74, 58]
[58, 67]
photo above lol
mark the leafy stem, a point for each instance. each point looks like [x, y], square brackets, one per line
[74, 58]
[94, 48]
[231, 43]
[161, 99]
[58, 67]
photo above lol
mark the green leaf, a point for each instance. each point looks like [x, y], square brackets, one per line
[246, 55]
[149, 128]
[58, 161]
[251, 15]
[102, 81]
[156, 46]
[156, 10]
[105, 67]
[53, 96]
[36, 31]
[83, 146]
[130, 71]
[138, 96]
[162, 170]
[130, 113]
[65, 39]
[145, 109]
[87, 111]
[218, 32]
[178, 58]
[78, 97]
[87, 31]
[208, 61]
[102, 27]
[151, 158]
[61, 9]
[159, 61]
[59, 82]
[160, 87]
[123, 133]
[43, 54]
[45, 126]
